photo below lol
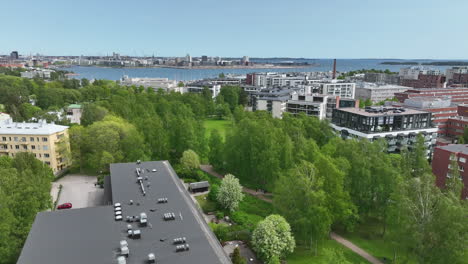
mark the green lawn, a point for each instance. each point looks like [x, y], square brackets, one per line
[206, 205]
[220, 125]
[367, 236]
[303, 255]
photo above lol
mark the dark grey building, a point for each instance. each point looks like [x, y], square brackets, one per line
[150, 216]
[399, 126]
[14, 55]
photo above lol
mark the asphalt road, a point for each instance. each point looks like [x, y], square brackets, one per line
[78, 190]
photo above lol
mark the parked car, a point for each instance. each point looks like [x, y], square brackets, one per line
[64, 206]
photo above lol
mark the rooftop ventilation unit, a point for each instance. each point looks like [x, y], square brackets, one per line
[118, 209]
[118, 218]
[180, 248]
[117, 205]
[143, 219]
[179, 240]
[138, 161]
[124, 251]
[121, 260]
[118, 213]
[169, 216]
[123, 243]
[162, 200]
[135, 234]
[151, 258]
[129, 227]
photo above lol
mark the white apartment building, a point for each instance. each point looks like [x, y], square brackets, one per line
[155, 83]
[412, 73]
[343, 90]
[74, 112]
[460, 70]
[214, 89]
[376, 92]
[311, 105]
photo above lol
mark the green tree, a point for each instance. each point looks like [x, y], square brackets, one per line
[221, 75]
[215, 155]
[92, 113]
[432, 223]
[222, 111]
[272, 238]
[24, 191]
[236, 257]
[229, 193]
[300, 198]
[190, 160]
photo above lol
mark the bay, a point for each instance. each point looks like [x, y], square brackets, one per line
[93, 72]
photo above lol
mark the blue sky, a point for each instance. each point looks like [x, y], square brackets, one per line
[258, 28]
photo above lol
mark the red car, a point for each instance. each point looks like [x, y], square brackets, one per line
[64, 206]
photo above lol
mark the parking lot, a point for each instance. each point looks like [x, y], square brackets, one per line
[78, 190]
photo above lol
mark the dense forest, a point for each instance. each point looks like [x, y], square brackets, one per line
[319, 181]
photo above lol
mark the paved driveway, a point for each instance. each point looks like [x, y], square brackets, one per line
[78, 190]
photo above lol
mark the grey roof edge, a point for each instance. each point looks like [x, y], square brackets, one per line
[214, 242]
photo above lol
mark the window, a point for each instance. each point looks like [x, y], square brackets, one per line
[45, 147]
[25, 147]
[462, 160]
[461, 168]
[40, 155]
[46, 155]
[23, 139]
[31, 139]
[4, 138]
[48, 163]
[15, 138]
[17, 146]
[44, 139]
[33, 147]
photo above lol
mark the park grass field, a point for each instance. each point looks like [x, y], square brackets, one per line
[220, 125]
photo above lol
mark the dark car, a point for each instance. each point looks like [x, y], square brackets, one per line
[64, 206]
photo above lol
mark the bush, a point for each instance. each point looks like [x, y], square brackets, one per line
[213, 192]
[219, 215]
[248, 221]
[228, 233]
[100, 180]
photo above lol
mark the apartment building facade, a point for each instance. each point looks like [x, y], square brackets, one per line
[399, 126]
[376, 92]
[47, 141]
[442, 161]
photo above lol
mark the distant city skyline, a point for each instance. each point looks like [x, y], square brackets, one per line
[343, 29]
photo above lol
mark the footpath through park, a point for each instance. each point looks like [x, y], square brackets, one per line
[266, 197]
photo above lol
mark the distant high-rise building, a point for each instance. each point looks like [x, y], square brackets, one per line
[188, 58]
[245, 60]
[116, 56]
[14, 55]
[204, 58]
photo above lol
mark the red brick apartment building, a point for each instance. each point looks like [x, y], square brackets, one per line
[460, 78]
[441, 164]
[458, 95]
[425, 81]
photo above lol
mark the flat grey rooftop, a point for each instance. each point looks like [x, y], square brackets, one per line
[459, 148]
[91, 235]
[359, 111]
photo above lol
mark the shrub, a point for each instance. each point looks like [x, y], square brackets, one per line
[219, 215]
[213, 192]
